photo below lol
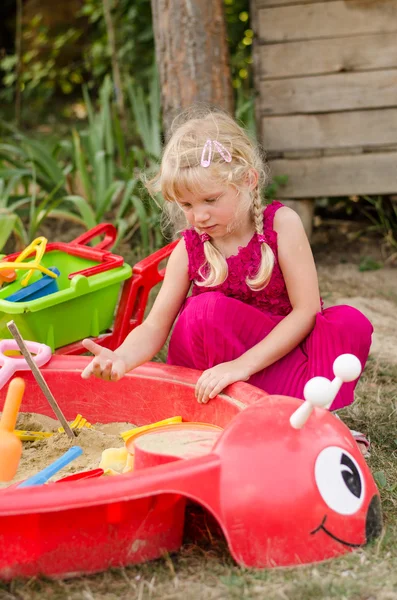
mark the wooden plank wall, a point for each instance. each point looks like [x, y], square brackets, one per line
[326, 72]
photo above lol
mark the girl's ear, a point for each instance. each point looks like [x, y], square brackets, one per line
[251, 179]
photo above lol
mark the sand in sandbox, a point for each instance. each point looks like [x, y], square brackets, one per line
[39, 454]
[182, 443]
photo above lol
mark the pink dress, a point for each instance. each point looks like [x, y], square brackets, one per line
[218, 324]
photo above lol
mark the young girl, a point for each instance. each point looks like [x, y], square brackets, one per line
[254, 313]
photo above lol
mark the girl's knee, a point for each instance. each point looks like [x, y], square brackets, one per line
[350, 318]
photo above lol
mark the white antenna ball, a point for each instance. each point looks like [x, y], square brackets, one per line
[318, 391]
[347, 367]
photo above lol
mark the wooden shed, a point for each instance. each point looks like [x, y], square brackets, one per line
[326, 75]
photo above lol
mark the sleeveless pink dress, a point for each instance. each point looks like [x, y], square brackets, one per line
[218, 324]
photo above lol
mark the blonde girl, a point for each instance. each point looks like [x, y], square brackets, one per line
[254, 313]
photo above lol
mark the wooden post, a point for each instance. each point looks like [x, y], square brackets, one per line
[192, 55]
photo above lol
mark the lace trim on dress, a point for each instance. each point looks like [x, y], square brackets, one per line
[274, 298]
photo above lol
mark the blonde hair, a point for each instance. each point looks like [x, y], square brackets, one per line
[181, 170]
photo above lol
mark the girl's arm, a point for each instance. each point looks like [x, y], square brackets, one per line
[143, 342]
[297, 265]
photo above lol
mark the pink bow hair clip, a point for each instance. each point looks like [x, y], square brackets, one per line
[208, 149]
[261, 238]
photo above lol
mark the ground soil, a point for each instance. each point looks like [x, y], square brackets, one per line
[360, 272]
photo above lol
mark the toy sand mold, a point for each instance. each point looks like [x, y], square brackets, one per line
[282, 495]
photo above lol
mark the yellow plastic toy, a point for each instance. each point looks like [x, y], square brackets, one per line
[131, 433]
[114, 460]
[38, 246]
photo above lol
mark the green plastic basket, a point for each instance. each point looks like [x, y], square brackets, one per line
[83, 306]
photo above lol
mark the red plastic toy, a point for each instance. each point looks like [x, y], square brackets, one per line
[282, 495]
[131, 308]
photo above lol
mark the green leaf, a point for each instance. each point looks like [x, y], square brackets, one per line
[143, 221]
[380, 479]
[7, 225]
[43, 159]
[84, 209]
[63, 215]
[9, 173]
[147, 122]
[126, 199]
[81, 166]
[106, 201]
[369, 264]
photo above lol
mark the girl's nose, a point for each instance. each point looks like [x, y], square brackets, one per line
[201, 215]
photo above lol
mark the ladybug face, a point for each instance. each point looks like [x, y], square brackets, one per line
[309, 492]
[342, 486]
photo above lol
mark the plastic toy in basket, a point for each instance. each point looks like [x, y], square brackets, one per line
[38, 246]
[44, 286]
[89, 286]
[7, 276]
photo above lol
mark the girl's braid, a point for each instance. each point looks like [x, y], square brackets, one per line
[257, 211]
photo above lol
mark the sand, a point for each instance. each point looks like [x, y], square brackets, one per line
[188, 443]
[39, 454]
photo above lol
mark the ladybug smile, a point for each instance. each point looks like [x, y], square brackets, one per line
[331, 535]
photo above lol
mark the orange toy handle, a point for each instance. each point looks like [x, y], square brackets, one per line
[12, 403]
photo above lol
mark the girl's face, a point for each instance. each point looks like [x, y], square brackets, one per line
[218, 212]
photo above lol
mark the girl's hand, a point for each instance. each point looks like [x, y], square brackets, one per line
[214, 380]
[106, 364]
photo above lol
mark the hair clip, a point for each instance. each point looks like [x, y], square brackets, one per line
[224, 152]
[206, 154]
[205, 162]
[261, 238]
[204, 237]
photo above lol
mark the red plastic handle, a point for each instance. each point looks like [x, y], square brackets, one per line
[108, 229]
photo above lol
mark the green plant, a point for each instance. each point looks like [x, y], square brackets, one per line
[240, 38]
[245, 110]
[147, 115]
[32, 185]
[105, 171]
[277, 182]
[382, 213]
[10, 221]
[58, 58]
[21, 153]
[367, 263]
[43, 67]
[95, 175]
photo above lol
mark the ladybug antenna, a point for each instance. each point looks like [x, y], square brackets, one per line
[321, 392]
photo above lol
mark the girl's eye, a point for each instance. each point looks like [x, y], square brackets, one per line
[211, 200]
[185, 206]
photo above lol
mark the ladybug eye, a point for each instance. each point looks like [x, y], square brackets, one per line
[339, 480]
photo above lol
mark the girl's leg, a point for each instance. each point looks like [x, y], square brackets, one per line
[338, 330]
[213, 328]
